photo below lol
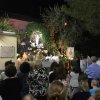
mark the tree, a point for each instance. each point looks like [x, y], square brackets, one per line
[87, 11]
[62, 28]
[83, 22]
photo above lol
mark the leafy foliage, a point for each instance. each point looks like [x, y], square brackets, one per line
[83, 22]
[61, 26]
[87, 11]
[4, 25]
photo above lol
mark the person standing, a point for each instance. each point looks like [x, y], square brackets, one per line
[57, 91]
[74, 84]
[98, 61]
[95, 87]
[38, 81]
[93, 71]
[22, 76]
[10, 88]
[83, 93]
[3, 75]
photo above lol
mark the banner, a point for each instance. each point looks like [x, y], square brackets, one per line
[7, 51]
[70, 52]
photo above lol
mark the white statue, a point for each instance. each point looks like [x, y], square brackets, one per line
[37, 37]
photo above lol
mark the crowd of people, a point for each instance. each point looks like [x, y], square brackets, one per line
[38, 82]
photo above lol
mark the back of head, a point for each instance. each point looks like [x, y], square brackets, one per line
[25, 67]
[97, 96]
[84, 86]
[10, 71]
[95, 82]
[75, 70]
[28, 97]
[94, 58]
[99, 58]
[7, 63]
[56, 91]
[53, 66]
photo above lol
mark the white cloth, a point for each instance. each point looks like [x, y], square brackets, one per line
[74, 79]
[3, 76]
[46, 63]
[89, 61]
[55, 58]
[33, 44]
[51, 72]
[83, 65]
[49, 58]
[98, 62]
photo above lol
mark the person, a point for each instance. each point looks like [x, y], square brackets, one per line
[74, 84]
[10, 88]
[74, 78]
[93, 71]
[83, 64]
[3, 75]
[19, 61]
[38, 81]
[28, 97]
[25, 56]
[91, 98]
[97, 96]
[94, 84]
[98, 61]
[55, 57]
[89, 61]
[52, 75]
[58, 73]
[83, 93]
[48, 57]
[22, 76]
[57, 91]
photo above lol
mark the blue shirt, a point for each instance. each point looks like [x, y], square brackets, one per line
[92, 91]
[93, 71]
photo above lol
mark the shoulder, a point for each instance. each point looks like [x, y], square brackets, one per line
[91, 90]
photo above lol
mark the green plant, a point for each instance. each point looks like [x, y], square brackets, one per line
[4, 25]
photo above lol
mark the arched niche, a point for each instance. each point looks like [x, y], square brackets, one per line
[36, 39]
[34, 28]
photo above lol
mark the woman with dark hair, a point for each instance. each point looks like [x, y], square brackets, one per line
[58, 73]
[38, 81]
[22, 76]
[52, 75]
[10, 88]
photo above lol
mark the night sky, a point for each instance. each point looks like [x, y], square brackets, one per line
[31, 8]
